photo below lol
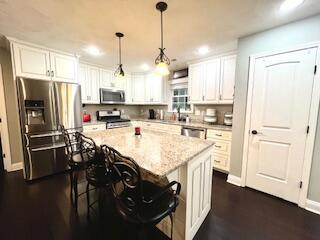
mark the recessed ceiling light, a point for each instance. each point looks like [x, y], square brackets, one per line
[145, 67]
[203, 50]
[94, 51]
[289, 5]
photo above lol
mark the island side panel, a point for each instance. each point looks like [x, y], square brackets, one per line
[199, 190]
[195, 197]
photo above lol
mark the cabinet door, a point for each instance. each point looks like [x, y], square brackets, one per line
[228, 70]
[154, 88]
[106, 79]
[83, 81]
[211, 81]
[196, 83]
[93, 81]
[63, 67]
[138, 88]
[31, 62]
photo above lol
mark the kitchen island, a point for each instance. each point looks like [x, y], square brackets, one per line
[163, 158]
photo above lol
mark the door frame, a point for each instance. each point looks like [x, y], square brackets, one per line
[4, 126]
[313, 118]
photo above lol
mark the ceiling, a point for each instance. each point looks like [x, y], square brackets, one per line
[73, 25]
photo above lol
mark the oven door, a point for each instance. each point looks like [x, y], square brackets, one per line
[111, 96]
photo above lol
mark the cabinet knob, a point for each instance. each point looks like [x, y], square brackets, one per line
[48, 73]
[52, 73]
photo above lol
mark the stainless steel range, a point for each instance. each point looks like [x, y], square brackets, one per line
[113, 119]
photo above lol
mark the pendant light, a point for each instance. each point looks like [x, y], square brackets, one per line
[162, 61]
[119, 73]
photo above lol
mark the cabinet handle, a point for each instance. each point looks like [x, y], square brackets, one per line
[48, 73]
[217, 161]
[132, 100]
[217, 146]
[188, 98]
[202, 98]
[220, 96]
[218, 135]
[95, 128]
[52, 74]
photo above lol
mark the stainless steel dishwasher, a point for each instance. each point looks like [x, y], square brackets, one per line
[194, 132]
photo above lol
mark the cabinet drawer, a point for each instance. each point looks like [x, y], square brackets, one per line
[95, 127]
[220, 161]
[221, 146]
[219, 134]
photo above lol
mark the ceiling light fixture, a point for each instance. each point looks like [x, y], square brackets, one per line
[289, 5]
[119, 73]
[92, 50]
[203, 50]
[145, 67]
[162, 61]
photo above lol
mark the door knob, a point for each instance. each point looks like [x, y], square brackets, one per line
[254, 132]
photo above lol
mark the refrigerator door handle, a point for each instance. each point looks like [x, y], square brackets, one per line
[56, 104]
[48, 148]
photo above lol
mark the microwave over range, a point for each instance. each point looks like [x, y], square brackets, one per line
[112, 96]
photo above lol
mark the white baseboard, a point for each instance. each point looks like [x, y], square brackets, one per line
[16, 167]
[234, 180]
[313, 206]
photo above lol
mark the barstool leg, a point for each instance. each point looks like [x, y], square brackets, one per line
[75, 183]
[171, 219]
[88, 200]
[71, 186]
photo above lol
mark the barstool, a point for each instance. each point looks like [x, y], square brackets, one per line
[139, 202]
[81, 152]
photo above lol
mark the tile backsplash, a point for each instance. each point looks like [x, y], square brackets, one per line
[134, 111]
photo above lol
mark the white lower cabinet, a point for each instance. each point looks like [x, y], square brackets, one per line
[40, 63]
[221, 148]
[94, 127]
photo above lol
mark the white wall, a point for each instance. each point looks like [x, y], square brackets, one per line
[304, 31]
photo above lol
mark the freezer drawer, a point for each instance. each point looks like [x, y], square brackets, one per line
[44, 161]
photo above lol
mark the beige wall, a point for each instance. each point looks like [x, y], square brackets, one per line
[304, 31]
[12, 107]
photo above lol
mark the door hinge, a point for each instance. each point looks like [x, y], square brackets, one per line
[308, 128]
[300, 185]
[315, 69]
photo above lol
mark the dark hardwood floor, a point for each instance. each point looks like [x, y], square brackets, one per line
[41, 210]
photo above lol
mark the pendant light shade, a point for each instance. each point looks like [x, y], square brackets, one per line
[162, 61]
[119, 73]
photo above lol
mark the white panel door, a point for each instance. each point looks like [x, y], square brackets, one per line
[138, 88]
[64, 68]
[31, 62]
[227, 80]
[195, 88]
[280, 111]
[211, 81]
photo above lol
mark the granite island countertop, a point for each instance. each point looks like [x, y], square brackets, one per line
[191, 124]
[156, 152]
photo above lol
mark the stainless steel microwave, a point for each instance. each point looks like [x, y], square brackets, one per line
[112, 96]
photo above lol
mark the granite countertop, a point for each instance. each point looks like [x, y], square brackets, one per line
[156, 152]
[191, 124]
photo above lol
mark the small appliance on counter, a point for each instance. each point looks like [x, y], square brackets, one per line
[228, 118]
[86, 117]
[211, 116]
[112, 118]
[152, 114]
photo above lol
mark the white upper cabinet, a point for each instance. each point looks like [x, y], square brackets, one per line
[38, 63]
[138, 88]
[106, 78]
[228, 71]
[63, 68]
[154, 89]
[31, 62]
[89, 78]
[212, 81]
[196, 74]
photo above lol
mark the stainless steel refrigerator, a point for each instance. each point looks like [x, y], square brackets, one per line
[44, 106]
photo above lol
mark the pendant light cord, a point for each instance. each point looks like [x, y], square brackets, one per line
[161, 31]
[120, 50]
